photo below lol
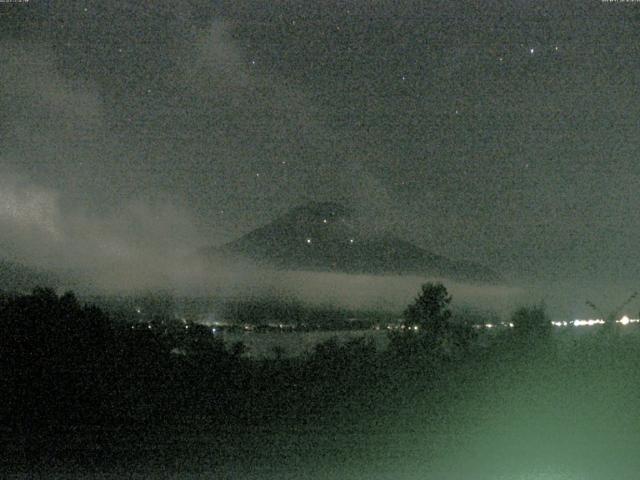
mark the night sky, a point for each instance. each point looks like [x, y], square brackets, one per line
[500, 132]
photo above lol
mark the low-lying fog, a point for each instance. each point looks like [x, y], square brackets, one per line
[139, 247]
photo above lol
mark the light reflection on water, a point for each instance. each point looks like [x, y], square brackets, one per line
[261, 345]
[297, 343]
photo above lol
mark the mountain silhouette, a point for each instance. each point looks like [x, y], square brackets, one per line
[327, 237]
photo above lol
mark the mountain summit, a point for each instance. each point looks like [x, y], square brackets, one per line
[327, 237]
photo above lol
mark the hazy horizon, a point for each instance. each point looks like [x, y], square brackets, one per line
[130, 137]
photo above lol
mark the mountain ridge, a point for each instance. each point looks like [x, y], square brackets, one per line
[325, 236]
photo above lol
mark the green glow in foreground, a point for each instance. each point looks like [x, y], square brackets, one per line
[542, 476]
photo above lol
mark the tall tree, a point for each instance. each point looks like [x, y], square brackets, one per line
[430, 310]
[429, 330]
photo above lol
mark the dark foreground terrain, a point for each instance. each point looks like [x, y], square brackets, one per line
[560, 407]
[564, 411]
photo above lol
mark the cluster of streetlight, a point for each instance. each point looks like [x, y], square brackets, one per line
[493, 325]
[625, 320]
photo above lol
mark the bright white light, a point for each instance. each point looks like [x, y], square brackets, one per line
[589, 323]
[308, 240]
[626, 320]
[531, 50]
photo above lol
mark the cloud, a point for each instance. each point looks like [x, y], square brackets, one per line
[53, 130]
[390, 293]
[137, 246]
[119, 192]
[145, 247]
[28, 207]
[266, 139]
[60, 202]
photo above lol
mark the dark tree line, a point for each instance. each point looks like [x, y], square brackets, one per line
[63, 363]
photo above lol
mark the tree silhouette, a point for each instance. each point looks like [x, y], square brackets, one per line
[427, 328]
[430, 310]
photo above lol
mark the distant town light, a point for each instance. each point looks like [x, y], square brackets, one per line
[626, 320]
[588, 323]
